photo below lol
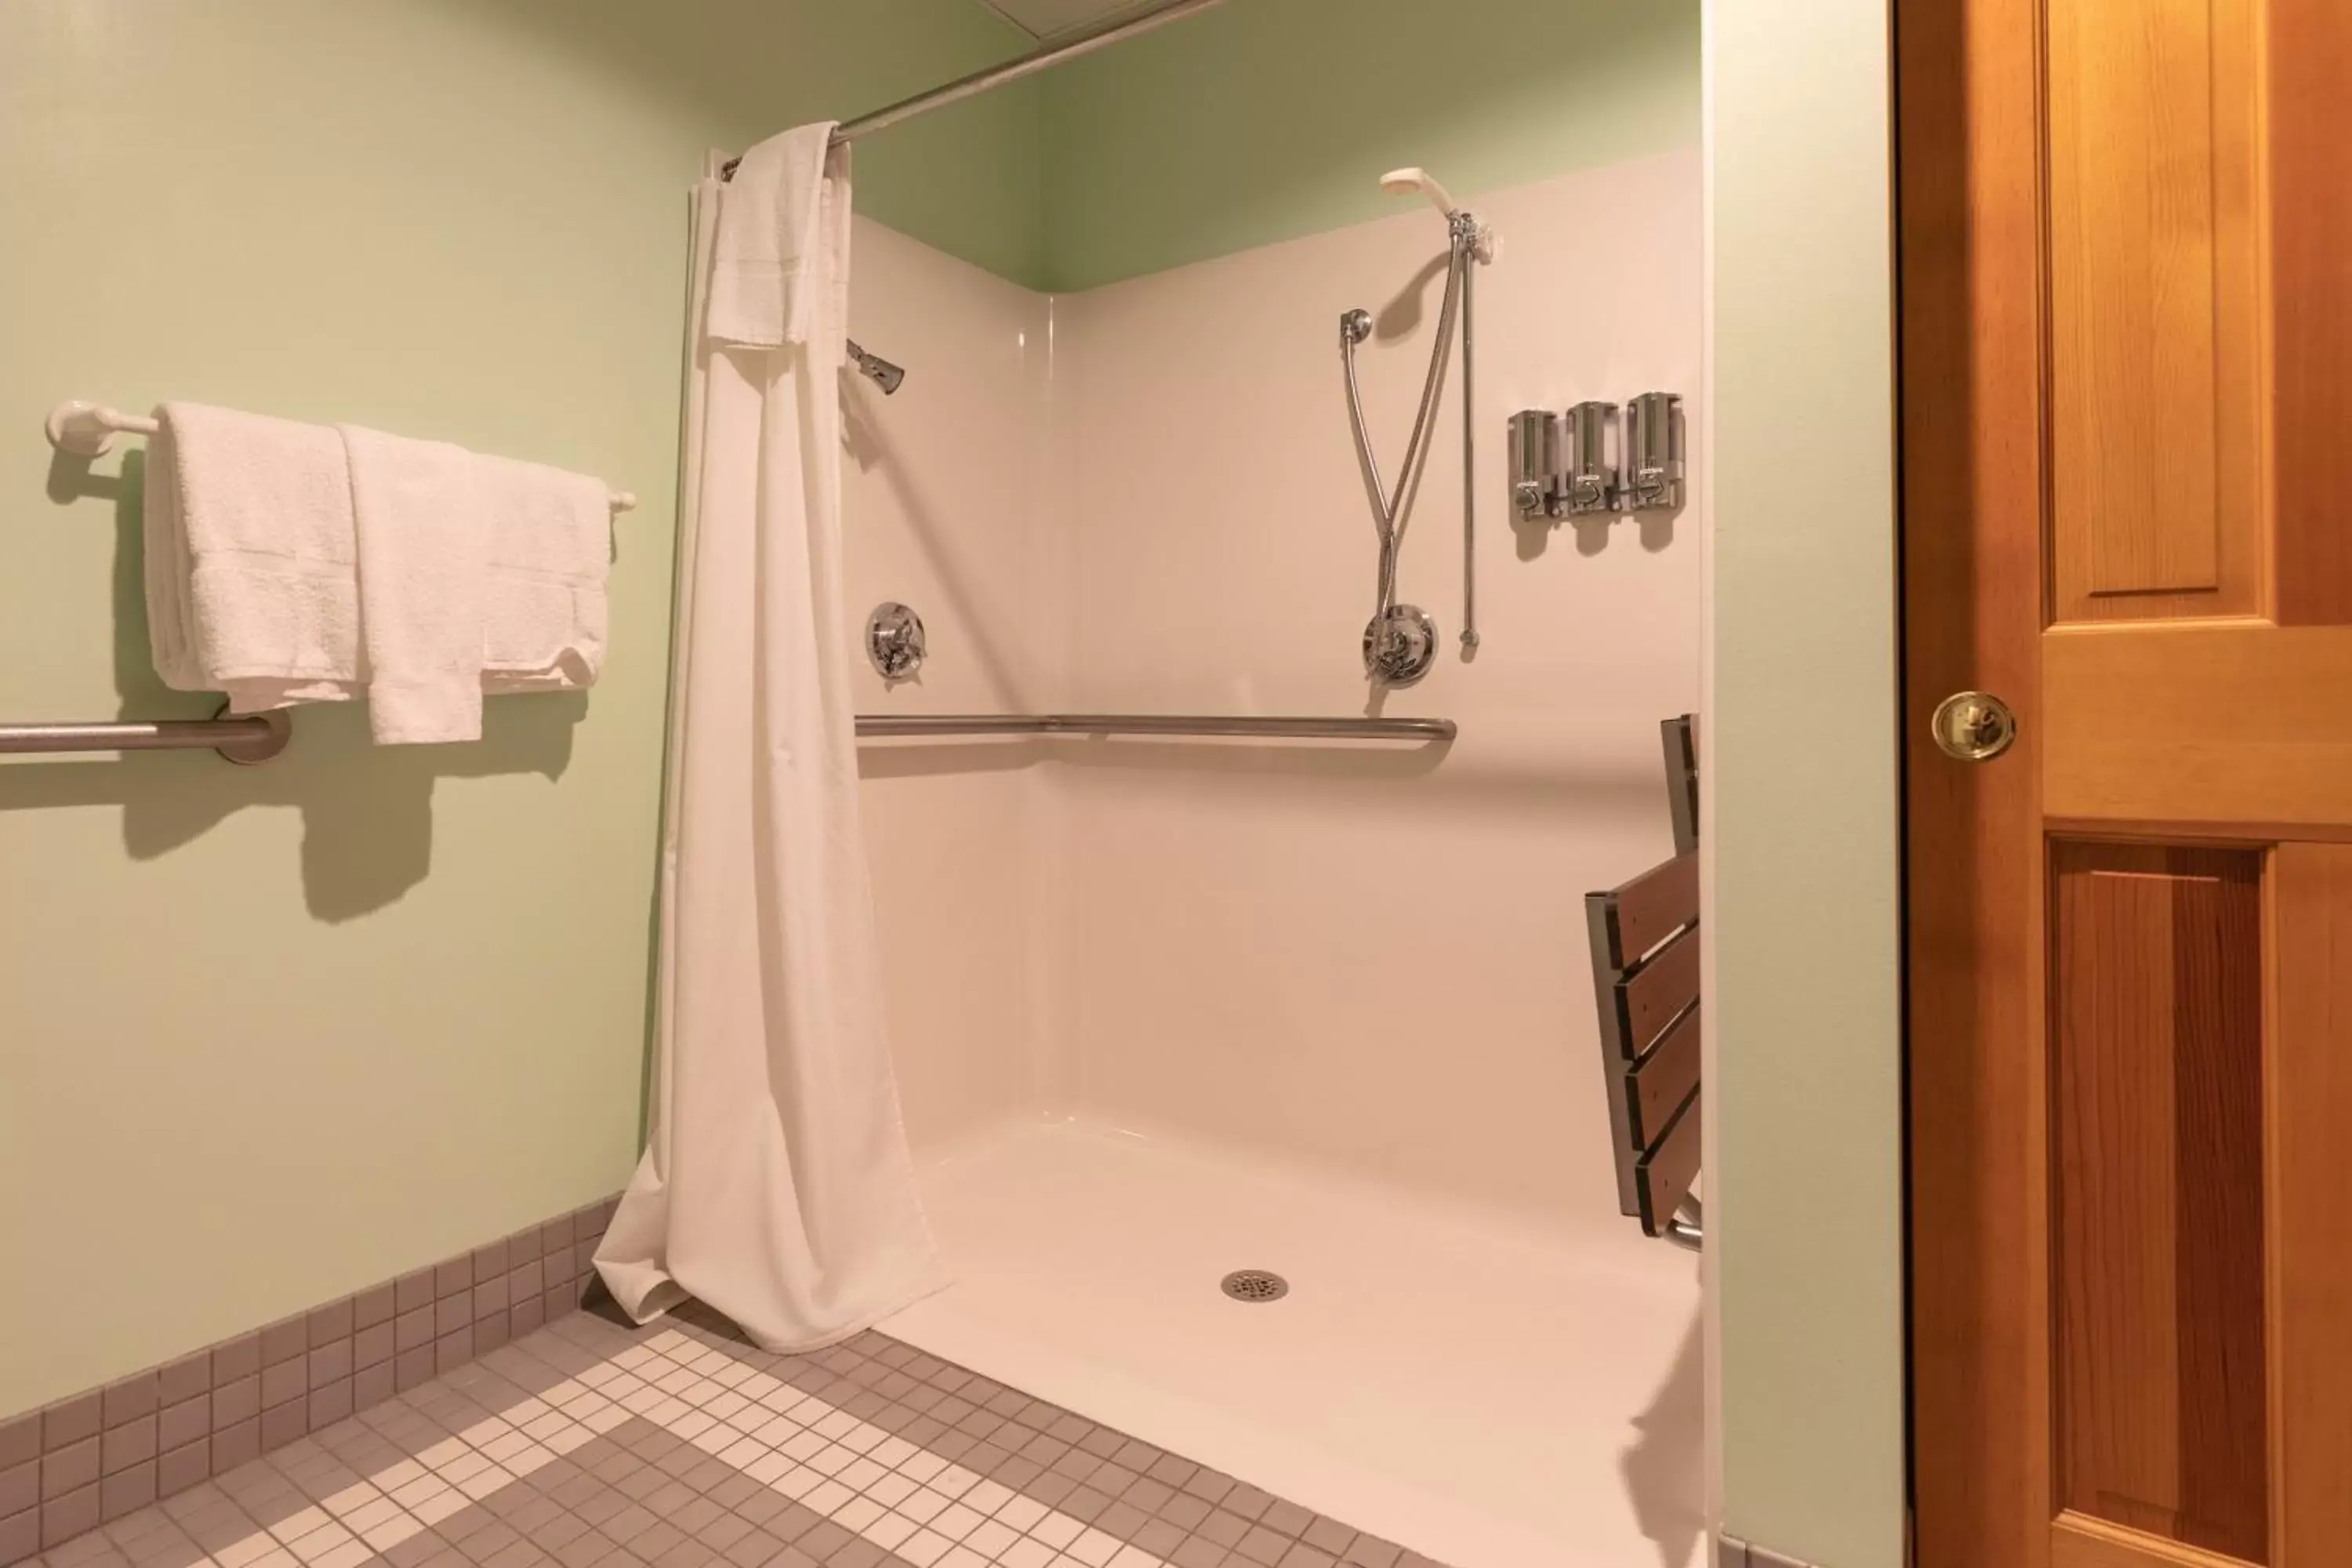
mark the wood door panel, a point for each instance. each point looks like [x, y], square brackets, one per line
[2125, 234]
[2077, 1542]
[2311, 1199]
[2156, 1050]
[2232, 723]
[2156, 421]
[2310, 159]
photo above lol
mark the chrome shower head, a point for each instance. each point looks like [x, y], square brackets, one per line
[876, 369]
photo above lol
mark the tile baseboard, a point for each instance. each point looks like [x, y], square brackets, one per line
[77, 1463]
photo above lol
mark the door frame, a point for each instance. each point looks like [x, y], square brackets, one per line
[1974, 484]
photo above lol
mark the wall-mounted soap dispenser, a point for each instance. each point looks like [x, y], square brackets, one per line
[1653, 452]
[1585, 464]
[1535, 469]
[1590, 482]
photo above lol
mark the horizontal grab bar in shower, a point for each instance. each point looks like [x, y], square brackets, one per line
[255, 738]
[894, 726]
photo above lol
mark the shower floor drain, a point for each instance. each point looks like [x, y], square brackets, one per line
[1255, 1285]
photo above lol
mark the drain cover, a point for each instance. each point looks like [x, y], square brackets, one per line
[1255, 1285]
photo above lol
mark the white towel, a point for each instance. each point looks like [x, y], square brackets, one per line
[770, 284]
[253, 588]
[550, 554]
[250, 588]
[424, 536]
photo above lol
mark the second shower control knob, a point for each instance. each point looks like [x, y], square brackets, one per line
[895, 641]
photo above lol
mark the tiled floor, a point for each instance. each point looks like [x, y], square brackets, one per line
[594, 1445]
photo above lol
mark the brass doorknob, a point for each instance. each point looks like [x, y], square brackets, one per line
[1973, 726]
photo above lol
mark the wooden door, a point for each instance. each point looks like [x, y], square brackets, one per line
[2127, 335]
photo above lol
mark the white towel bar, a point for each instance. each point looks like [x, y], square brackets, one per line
[86, 429]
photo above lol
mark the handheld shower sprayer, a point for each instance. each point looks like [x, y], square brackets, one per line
[1401, 643]
[1421, 181]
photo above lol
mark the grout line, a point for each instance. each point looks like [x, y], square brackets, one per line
[685, 1440]
[106, 1453]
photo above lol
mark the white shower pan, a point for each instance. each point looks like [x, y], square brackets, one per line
[1482, 1395]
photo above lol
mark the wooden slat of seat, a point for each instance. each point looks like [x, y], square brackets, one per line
[1653, 995]
[1653, 906]
[1681, 738]
[1664, 1175]
[1656, 1086]
[1600, 922]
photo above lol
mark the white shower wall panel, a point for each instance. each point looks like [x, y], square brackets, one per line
[1320, 1008]
[944, 511]
[1369, 958]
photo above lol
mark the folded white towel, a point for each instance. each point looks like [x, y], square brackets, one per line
[777, 264]
[254, 586]
[549, 552]
[423, 549]
[249, 556]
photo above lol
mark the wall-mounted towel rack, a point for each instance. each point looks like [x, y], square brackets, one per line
[86, 429]
[907, 726]
[255, 738]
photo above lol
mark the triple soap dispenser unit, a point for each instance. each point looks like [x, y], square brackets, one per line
[1591, 461]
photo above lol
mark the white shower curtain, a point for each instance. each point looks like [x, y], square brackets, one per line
[777, 1185]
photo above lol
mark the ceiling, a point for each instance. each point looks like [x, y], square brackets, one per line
[1045, 19]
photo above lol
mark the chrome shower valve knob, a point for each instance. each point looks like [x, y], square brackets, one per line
[895, 641]
[1400, 645]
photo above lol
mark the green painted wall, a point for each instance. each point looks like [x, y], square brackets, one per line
[1805, 1181]
[1266, 119]
[274, 1034]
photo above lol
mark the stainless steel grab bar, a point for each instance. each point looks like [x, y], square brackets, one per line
[261, 736]
[253, 739]
[894, 726]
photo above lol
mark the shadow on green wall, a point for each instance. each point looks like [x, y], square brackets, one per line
[367, 817]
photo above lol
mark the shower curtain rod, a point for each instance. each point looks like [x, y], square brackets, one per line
[1085, 42]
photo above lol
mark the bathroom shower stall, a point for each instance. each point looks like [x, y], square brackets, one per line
[1171, 1009]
